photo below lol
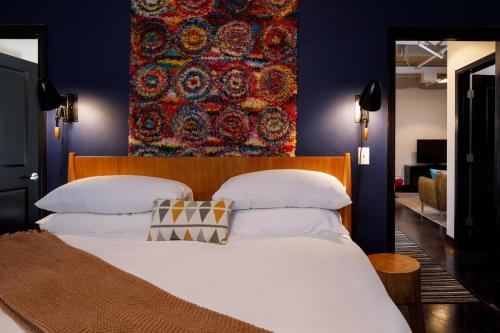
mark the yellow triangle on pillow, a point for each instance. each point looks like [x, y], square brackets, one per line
[187, 236]
[179, 204]
[176, 212]
[218, 214]
[220, 204]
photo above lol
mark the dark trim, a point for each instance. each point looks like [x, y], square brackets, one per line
[440, 33]
[39, 31]
[391, 135]
[424, 33]
[450, 240]
[462, 84]
[478, 64]
[497, 143]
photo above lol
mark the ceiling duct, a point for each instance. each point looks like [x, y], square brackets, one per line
[429, 76]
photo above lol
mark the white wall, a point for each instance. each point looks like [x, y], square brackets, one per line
[460, 54]
[26, 49]
[420, 114]
[486, 71]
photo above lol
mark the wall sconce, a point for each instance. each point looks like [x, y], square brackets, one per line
[361, 117]
[369, 101]
[66, 105]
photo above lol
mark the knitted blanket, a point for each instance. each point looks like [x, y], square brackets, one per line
[49, 286]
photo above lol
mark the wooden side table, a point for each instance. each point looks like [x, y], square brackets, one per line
[401, 278]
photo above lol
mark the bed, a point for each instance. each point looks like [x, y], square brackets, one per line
[319, 283]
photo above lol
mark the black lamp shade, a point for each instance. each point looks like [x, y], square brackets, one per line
[371, 98]
[48, 96]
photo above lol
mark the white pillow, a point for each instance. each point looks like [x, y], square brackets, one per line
[284, 188]
[129, 226]
[285, 222]
[113, 195]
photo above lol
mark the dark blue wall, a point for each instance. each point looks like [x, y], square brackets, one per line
[342, 44]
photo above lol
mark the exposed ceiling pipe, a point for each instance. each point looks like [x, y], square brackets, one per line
[424, 46]
[443, 51]
[426, 62]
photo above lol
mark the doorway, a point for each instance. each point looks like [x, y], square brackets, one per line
[475, 177]
[22, 126]
[421, 130]
[476, 269]
[427, 34]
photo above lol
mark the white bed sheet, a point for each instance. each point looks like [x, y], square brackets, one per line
[304, 284]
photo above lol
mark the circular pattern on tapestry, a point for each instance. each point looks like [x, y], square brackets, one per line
[274, 125]
[147, 122]
[235, 38]
[194, 82]
[276, 83]
[151, 81]
[279, 7]
[193, 37]
[150, 7]
[237, 6]
[195, 7]
[235, 81]
[191, 124]
[233, 125]
[150, 38]
[278, 42]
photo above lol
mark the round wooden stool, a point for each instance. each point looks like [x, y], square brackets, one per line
[401, 278]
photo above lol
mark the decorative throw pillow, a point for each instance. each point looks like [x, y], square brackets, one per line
[434, 172]
[202, 221]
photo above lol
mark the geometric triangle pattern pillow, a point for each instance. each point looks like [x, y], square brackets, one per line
[202, 221]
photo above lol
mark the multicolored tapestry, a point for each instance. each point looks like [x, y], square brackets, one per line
[213, 78]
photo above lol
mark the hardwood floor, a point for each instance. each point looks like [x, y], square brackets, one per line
[477, 270]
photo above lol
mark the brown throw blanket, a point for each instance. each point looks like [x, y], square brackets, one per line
[49, 286]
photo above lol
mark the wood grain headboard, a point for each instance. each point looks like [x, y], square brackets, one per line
[206, 174]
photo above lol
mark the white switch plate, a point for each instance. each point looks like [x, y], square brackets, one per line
[363, 156]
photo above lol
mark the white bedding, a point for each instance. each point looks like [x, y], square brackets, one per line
[300, 284]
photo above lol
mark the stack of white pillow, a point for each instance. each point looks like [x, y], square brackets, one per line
[265, 203]
[108, 206]
[284, 203]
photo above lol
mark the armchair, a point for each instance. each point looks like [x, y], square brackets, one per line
[433, 192]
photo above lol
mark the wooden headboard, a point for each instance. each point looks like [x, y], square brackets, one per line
[206, 174]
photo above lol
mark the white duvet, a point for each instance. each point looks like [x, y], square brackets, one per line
[300, 284]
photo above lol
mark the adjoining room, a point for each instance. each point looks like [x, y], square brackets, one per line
[421, 128]
[444, 183]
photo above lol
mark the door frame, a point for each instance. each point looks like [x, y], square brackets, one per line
[32, 31]
[424, 33]
[461, 79]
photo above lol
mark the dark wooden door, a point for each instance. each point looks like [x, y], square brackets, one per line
[19, 121]
[481, 178]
